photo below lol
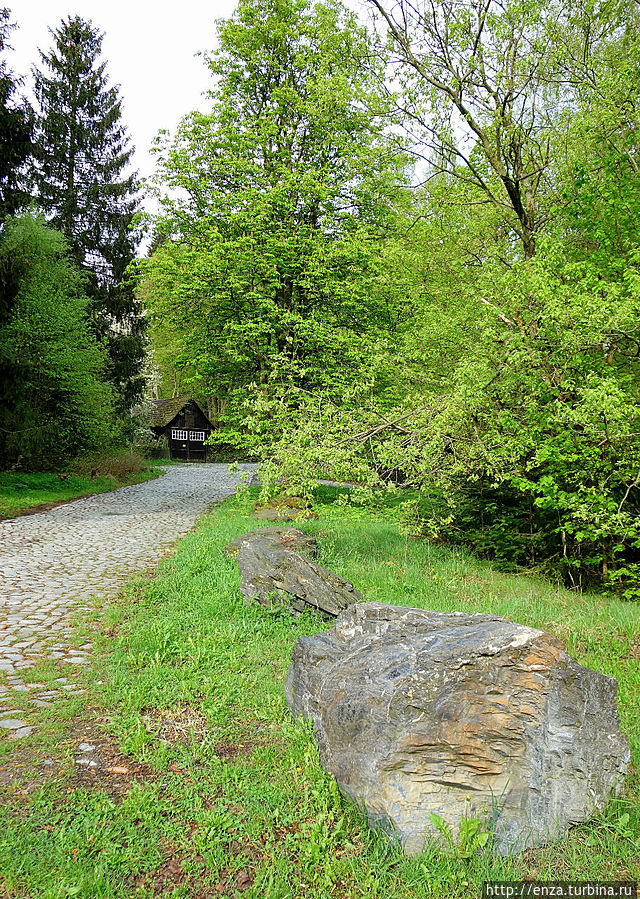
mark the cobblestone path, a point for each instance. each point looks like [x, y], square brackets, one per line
[52, 562]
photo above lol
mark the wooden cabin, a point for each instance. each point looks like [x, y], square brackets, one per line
[184, 426]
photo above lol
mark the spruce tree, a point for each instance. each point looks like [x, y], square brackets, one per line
[16, 127]
[84, 185]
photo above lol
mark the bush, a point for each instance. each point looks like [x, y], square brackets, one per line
[54, 401]
[118, 465]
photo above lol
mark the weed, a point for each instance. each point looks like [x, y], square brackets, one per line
[119, 465]
[473, 832]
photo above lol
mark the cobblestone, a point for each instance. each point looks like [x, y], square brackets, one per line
[52, 563]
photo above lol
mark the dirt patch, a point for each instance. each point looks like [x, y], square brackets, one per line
[179, 869]
[239, 880]
[630, 644]
[231, 751]
[180, 724]
[100, 765]
[27, 774]
[85, 758]
[184, 724]
[170, 874]
[251, 736]
[230, 883]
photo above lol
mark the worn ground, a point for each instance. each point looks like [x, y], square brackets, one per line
[51, 563]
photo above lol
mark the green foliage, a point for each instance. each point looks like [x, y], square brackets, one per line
[472, 833]
[54, 401]
[482, 99]
[515, 403]
[477, 337]
[82, 153]
[556, 422]
[16, 129]
[264, 288]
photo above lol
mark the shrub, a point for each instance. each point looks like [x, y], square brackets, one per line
[54, 401]
[119, 465]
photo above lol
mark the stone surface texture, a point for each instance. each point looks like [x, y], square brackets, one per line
[271, 571]
[420, 712]
[53, 562]
[277, 538]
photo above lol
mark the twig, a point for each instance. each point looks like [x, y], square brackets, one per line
[630, 487]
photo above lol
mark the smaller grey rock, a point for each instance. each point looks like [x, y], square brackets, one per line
[21, 732]
[279, 514]
[12, 723]
[271, 572]
[86, 747]
[277, 538]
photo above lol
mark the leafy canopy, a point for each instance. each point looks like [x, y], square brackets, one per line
[267, 262]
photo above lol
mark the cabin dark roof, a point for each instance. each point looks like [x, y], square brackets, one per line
[164, 411]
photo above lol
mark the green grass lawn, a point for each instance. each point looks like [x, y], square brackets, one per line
[22, 491]
[213, 790]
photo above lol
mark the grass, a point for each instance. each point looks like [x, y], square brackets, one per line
[22, 492]
[211, 789]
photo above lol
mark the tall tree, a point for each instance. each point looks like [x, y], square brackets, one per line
[478, 97]
[16, 128]
[280, 198]
[83, 154]
[522, 400]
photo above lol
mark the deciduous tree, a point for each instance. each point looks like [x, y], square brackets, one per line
[478, 97]
[280, 194]
[54, 401]
[529, 425]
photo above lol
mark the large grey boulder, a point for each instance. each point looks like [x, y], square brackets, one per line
[421, 712]
[275, 567]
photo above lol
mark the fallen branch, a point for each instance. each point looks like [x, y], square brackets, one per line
[378, 429]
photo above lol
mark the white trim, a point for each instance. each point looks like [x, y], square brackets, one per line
[177, 434]
[196, 436]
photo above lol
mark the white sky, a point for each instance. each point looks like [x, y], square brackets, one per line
[149, 49]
